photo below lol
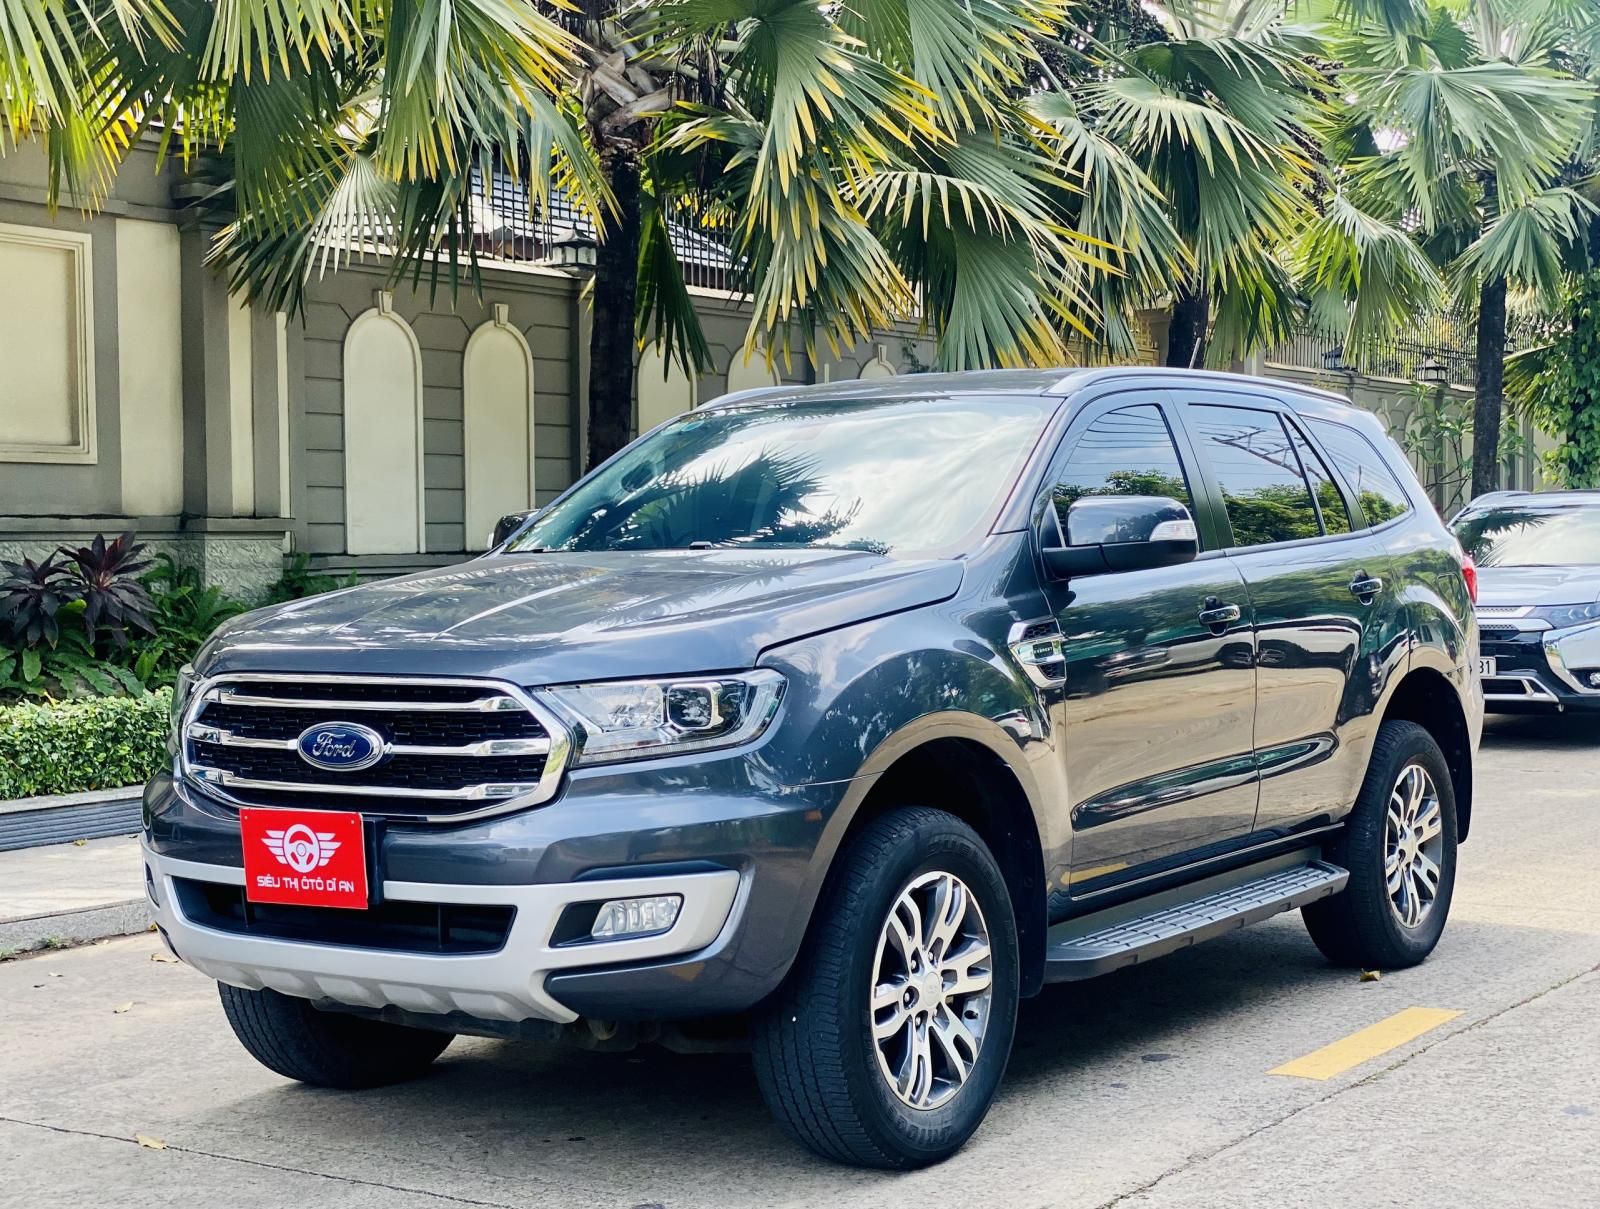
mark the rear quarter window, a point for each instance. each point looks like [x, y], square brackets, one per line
[1379, 492]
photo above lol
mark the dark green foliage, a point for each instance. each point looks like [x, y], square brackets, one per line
[73, 746]
[1558, 384]
[105, 589]
[299, 581]
[185, 611]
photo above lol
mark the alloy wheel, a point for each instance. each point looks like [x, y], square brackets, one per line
[932, 989]
[1413, 846]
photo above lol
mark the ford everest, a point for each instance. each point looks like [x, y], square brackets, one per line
[845, 715]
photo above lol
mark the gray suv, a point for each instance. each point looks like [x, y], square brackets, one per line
[838, 719]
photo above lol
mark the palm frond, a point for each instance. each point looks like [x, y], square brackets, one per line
[1531, 245]
[1371, 266]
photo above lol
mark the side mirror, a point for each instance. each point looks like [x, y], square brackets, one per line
[507, 525]
[1117, 533]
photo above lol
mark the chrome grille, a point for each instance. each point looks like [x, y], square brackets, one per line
[452, 749]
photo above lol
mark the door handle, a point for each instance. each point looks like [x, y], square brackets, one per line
[1364, 587]
[1215, 613]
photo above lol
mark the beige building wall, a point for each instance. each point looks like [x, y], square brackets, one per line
[150, 366]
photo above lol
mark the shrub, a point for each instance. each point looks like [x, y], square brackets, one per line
[53, 649]
[298, 581]
[72, 746]
[185, 611]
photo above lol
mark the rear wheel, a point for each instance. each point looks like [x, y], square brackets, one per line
[327, 1049]
[886, 1044]
[1399, 844]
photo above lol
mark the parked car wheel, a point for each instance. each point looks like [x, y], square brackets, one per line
[886, 1044]
[1399, 844]
[327, 1049]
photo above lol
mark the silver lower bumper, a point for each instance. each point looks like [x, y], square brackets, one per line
[504, 985]
[1573, 650]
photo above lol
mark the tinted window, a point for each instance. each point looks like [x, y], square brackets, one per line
[1125, 452]
[1531, 535]
[1335, 516]
[1256, 468]
[1363, 467]
[890, 476]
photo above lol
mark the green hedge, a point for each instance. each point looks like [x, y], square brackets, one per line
[91, 743]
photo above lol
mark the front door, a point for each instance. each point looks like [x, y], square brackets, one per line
[1320, 592]
[1159, 702]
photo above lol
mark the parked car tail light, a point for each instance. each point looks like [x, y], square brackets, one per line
[1469, 572]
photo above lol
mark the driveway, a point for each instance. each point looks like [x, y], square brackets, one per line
[1148, 1088]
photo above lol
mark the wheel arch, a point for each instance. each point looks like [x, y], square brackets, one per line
[960, 764]
[1428, 698]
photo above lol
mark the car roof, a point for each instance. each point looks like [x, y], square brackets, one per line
[1058, 382]
[1564, 497]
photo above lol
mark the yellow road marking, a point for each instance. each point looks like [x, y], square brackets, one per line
[1083, 875]
[1361, 1047]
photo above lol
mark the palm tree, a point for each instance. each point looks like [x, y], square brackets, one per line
[1211, 110]
[1445, 151]
[863, 163]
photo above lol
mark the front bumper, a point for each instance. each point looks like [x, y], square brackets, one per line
[645, 824]
[1540, 670]
[508, 984]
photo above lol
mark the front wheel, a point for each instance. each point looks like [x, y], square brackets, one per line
[326, 1049]
[885, 1046]
[1399, 844]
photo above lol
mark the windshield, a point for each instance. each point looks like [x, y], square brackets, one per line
[1523, 536]
[888, 476]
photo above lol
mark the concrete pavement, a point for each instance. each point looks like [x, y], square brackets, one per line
[1148, 1088]
[67, 893]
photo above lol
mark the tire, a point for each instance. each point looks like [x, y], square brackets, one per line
[1361, 925]
[815, 1056]
[327, 1049]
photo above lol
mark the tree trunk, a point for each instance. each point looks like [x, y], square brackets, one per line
[1490, 387]
[1186, 334]
[611, 339]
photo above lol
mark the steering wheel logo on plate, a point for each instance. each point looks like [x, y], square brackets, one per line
[301, 848]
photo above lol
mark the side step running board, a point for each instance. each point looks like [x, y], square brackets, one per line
[1097, 944]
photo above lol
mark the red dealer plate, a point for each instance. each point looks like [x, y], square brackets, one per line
[310, 858]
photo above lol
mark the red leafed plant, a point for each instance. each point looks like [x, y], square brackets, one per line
[109, 586]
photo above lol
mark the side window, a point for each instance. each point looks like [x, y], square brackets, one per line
[1125, 452]
[1382, 498]
[1263, 487]
[1335, 516]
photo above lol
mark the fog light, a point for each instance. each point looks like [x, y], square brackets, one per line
[1594, 679]
[636, 916]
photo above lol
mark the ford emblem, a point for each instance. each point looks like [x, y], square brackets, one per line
[340, 746]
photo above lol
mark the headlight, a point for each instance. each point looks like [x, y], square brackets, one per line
[182, 688]
[1561, 616]
[633, 719]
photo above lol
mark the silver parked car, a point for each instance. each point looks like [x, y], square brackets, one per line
[1538, 561]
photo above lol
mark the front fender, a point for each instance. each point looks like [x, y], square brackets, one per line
[872, 695]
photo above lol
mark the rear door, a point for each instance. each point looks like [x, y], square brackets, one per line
[1159, 701]
[1318, 589]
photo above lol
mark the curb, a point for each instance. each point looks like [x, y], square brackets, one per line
[59, 819]
[58, 928]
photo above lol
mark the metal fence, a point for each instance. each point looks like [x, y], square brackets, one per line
[509, 226]
[1434, 348]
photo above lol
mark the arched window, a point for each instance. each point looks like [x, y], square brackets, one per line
[498, 425]
[752, 372]
[664, 389]
[382, 434]
[878, 367]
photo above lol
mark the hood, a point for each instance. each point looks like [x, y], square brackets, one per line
[553, 618]
[1538, 585]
